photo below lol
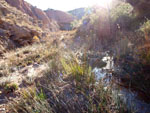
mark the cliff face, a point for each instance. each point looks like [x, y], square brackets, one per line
[35, 13]
[64, 19]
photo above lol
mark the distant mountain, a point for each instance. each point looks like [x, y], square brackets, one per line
[78, 13]
[63, 18]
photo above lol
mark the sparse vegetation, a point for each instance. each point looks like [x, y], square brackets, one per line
[145, 28]
[9, 88]
[97, 98]
[31, 102]
[82, 73]
[83, 70]
[121, 11]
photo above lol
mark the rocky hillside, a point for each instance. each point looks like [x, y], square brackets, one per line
[20, 22]
[64, 19]
[16, 28]
[35, 13]
[49, 18]
[78, 13]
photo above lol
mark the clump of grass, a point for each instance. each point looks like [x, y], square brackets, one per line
[32, 101]
[81, 73]
[41, 95]
[145, 28]
[5, 82]
[98, 98]
[29, 80]
[27, 56]
[103, 101]
[10, 88]
[4, 71]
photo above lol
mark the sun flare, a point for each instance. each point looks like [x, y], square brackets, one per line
[103, 3]
[66, 5]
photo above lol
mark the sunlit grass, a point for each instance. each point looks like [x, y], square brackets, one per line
[81, 73]
[31, 101]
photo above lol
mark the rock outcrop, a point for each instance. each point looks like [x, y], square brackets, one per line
[16, 28]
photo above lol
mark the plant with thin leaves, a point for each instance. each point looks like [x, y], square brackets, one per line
[81, 73]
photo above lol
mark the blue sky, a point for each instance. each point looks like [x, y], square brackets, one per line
[65, 5]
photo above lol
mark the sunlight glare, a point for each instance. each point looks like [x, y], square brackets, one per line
[66, 5]
[103, 3]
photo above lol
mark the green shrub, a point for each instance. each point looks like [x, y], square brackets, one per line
[82, 73]
[10, 88]
[75, 23]
[145, 57]
[121, 10]
[145, 28]
[41, 95]
[31, 102]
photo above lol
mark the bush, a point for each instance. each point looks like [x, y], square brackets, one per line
[10, 88]
[82, 74]
[75, 24]
[32, 101]
[123, 9]
[122, 16]
[145, 28]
